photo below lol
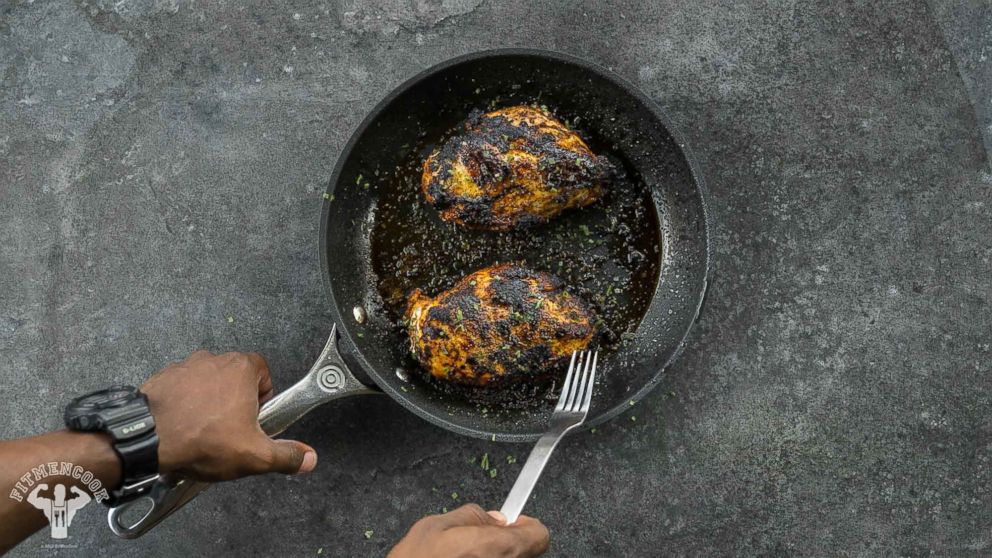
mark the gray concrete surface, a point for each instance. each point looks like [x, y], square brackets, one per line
[161, 163]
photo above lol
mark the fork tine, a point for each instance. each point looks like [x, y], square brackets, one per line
[576, 382]
[567, 386]
[592, 383]
[575, 397]
[583, 387]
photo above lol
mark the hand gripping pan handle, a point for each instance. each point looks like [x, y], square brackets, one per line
[327, 380]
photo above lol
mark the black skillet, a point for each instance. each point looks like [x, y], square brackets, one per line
[641, 256]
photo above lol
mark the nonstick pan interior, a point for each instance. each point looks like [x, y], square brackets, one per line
[647, 312]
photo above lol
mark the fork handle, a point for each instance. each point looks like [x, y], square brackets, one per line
[527, 479]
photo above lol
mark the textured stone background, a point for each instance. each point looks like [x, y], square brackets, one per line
[161, 163]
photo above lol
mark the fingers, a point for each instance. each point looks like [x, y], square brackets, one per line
[526, 538]
[264, 378]
[466, 516]
[532, 533]
[288, 457]
[198, 355]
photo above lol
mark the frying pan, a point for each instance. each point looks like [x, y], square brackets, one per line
[364, 355]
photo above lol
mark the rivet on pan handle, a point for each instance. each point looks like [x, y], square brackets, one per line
[328, 379]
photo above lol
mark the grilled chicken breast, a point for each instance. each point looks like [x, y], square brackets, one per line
[512, 168]
[501, 323]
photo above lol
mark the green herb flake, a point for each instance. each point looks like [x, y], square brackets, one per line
[511, 459]
[485, 461]
[459, 315]
[358, 180]
[609, 290]
[539, 303]
[454, 495]
[472, 282]
[633, 418]
[360, 334]
[584, 229]
[327, 196]
[369, 533]
[592, 430]
[444, 510]
[492, 473]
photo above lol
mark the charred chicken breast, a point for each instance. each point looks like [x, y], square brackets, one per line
[512, 168]
[501, 323]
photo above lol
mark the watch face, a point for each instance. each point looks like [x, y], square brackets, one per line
[104, 399]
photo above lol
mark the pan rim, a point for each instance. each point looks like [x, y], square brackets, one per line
[350, 348]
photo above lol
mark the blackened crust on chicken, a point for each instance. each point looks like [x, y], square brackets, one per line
[513, 168]
[501, 324]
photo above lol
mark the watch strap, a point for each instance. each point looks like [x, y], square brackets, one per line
[139, 457]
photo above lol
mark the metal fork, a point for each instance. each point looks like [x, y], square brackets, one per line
[571, 411]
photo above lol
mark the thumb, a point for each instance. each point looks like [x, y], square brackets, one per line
[290, 457]
[467, 515]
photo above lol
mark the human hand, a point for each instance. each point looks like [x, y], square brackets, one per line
[206, 417]
[471, 532]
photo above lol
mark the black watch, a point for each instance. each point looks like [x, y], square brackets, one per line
[122, 412]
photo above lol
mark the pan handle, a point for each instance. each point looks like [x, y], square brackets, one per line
[328, 379]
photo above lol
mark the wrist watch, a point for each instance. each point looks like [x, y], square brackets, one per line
[122, 412]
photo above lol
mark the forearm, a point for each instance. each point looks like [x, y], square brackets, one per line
[27, 462]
